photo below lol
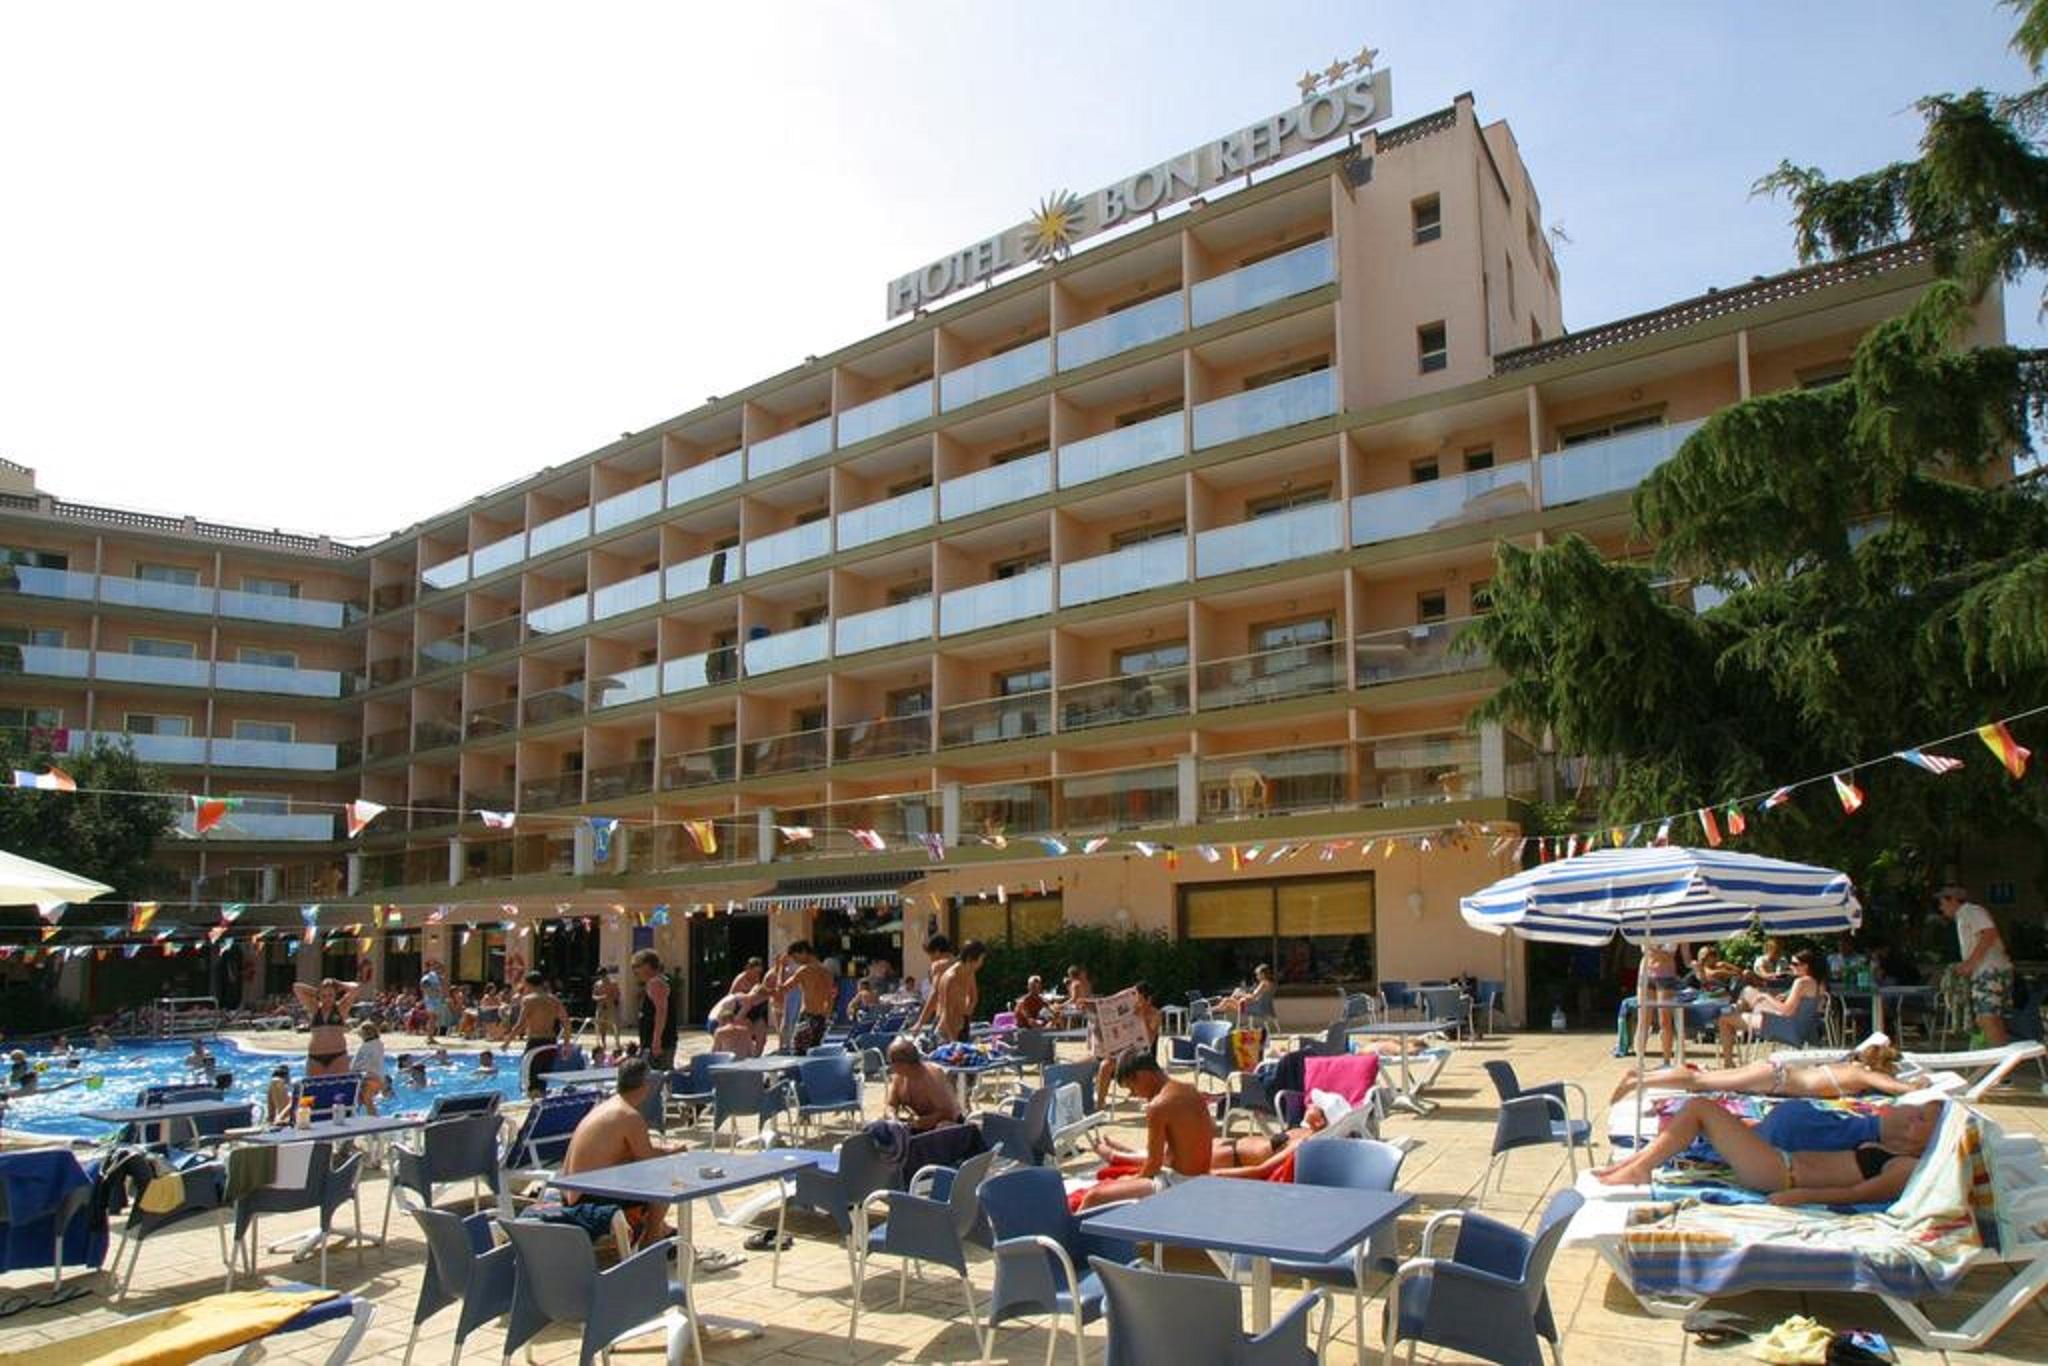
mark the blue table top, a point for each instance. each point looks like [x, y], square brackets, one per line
[1258, 1218]
[334, 1130]
[582, 1076]
[676, 1177]
[177, 1109]
[767, 1067]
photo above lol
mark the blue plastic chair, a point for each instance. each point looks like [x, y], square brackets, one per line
[61, 1191]
[1530, 1116]
[839, 1188]
[1352, 1164]
[540, 1142]
[1023, 1134]
[465, 1266]
[328, 1093]
[1801, 1029]
[741, 1095]
[328, 1186]
[1184, 1051]
[1040, 1250]
[1396, 995]
[1487, 1299]
[829, 1085]
[693, 1090]
[1163, 1316]
[923, 1229]
[205, 1188]
[557, 1281]
[1493, 999]
[1216, 1059]
[464, 1148]
[465, 1103]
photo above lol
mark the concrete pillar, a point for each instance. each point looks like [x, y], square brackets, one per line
[455, 860]
[1493, 760]
[949, 814]
[764, 832]
[583, 862]
[270, 879]
[355, 873]
[1188, 775]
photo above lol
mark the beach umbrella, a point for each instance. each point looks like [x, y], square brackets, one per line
[23, 881]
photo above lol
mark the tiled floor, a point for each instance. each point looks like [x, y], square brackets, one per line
[808, 1313]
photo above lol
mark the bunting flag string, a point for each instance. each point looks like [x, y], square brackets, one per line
[360, 813]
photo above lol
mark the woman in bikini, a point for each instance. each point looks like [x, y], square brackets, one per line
[1870, 1068]
[327, 1020]
[1866, 1174]
[1256, 1156]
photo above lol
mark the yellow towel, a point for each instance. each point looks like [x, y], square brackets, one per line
[217, 1323]
[165, 1192]
[1798, 1341]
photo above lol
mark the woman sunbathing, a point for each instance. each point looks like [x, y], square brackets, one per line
[1256, 1157]
[1869, 1173]
[1870, 1068]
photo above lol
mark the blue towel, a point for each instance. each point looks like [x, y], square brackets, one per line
[36, 1182]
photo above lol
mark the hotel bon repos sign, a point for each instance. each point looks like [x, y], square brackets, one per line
[1063, 219]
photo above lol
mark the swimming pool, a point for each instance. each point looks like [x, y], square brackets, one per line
[108, 1077]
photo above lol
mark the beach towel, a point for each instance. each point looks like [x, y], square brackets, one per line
[1109, 1171]
[188, 1332]
[1350, 1075]
[250, 1167]
[37, 1180]
[1247, 1047]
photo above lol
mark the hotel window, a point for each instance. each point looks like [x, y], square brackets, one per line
[1825, 375]
[1427, 214]
[1600, 429]
[155, 723]
[1282, 373]
[1291, 635]
[19, 719]
[1432, 347]
[1139, 535]
[914, 701]
[1146, 659]
[50, 637]
[276, 659]
[1034, 678]
[1307, 929]
[809, 616]
[1269, 253]
[1145, 295]
[264, 803]
[1146, 414]
[162, 649]
[816, 514]
[283, 732]
[1286, 501]
[166, 573]
[34, 559]
[1430, 606]
[1007, 924]
[923, 481]
[1015, 453]
[1021, 565]
[1479, 458]
[807, 718]
[269, 588]
[1423, 471]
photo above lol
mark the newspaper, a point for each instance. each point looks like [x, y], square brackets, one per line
[1115, 1027]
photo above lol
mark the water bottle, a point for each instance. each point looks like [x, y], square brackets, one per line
[1558, 1023]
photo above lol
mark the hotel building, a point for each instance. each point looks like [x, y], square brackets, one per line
[1167, 541]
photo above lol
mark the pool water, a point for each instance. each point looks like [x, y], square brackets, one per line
[109, 1077]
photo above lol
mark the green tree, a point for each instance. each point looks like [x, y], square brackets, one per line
[1885, 575]
[108, 833]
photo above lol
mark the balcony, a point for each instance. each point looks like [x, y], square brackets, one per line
[1612, 465]
[31, 581]
[1270, 676]
[554, 704]
[382, 672]
[804, 645]
[1436, 504]
[1269, 408]
[435, 734]
[1127, 800]
[1135, 568]
[1424, 651]
[781, 549]
[1012, 369]
[305, 756]
[264, 825]
[1124, 448]
[998, 718]
[628, 595]
[1013, 808]
[1420, 769]
[628, 779]
[1127, 697]
[1125, 330]
[625, 687]
[887, 738]
[492, 718]
[697, 768]
[387, 744]
[900, 819]
[112, 667]
[391, 597]
[48, 661]
[991, 604]
[281, 610]
[797, 752]
[913, 403]
[501, 554]
[556, 532]
[445, 653]
[155, 596]
[1275, 782]
[895, 624]
[629, 506]
[997, 486]
[700, 574]
[449, 573]
[493, 636]
[1296, 534]
[706, 670]
[905, 512]
[556, 617]
[564, 789]
[789, 448]
[270, 678]
[1307, 267]
[180, 750]
[701, 481]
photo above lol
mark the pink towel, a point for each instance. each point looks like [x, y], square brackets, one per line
[1350, 1075]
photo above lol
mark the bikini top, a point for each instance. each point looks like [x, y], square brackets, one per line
[323, 1016]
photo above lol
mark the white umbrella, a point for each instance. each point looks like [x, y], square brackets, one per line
[23, 880]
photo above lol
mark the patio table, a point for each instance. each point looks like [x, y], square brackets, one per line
[159, 1115]
[1894, 997]
[582, 1076]
[1265, 1221]
[1407, 1098]
[965, 1075]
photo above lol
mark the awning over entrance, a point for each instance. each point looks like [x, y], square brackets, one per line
[858, 890]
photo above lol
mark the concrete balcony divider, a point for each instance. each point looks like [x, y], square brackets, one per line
[997, 486]
[1277, 538]
[1436, 504]
[1123, 448]
[1135, 568]
[1612, 465]
[990, 604]
[1268, 408]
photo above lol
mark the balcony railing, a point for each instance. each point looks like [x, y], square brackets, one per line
[238, 677]
[1275, 782]
[181, 750]
[1128, 697]
[500, 554]
[1295, 534]
[1423, 651]
[1012, 808]
[797, 752]
[1124, 330]
[449, 573]
[625, 687]
[564, 530]
[1294, 272]
[566, 615]
[700, 573]
[697, 768]
[1270, 676]
[1135, 568]
[999, 374]
[390, 669]
[895, 624]
[1268, 408]
[628, 779]
[554, 704]
[630, 506]
[705, 670]
[49, 661]
[912, 403]
[1461, 500]
[997, 486]
[1126, 800]
[435, 734]
[155, 595]
[900, 819]
[996, 719]
[891, 517]
[882, 739]
[792, 447]
[387, 744]
[493, 636]
[33, 581]
[990, 604]
[284, 611]
[1123, 448]
[565, 789]
[307, 756]
[628, 595]
[792, 546]
[701, 481]
[492, 718]
[112, 666]
[1420, 769]
[1612, 465]
[265, 825]
[803, 645]
[445, 653]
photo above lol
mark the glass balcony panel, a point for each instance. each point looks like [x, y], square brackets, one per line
[884, 626]
[446, 574]
[1128, 697]
[793, 546]
[792, 447]
[998, 718]
[628, 779]
[492, 718]
[1613, 465]
[160, 597]
[111, 666]
[990, 604]
[1461, 500]
[1421, 769]
[625, 687]
[1307, 267]
[699, 574]
[885, 738]
[1012, 482]
[435, 734]
[697, 768]
[890, 517]
[566, 615]
[701, 481]
[282, 610]
[1424, 651]
[266, 825]
[797, 752]
[390, 597]
[1266, 409]
[50, 661]
[502, 554]
[444, 653]
[886, 414]
[306, 755]
[788, 649]
[706, 670]
[390, 669]
[629, 506]
[1127, 800]
[629, 595]
[1135, 568]
[901, 819]
[387, 744]
[558, 531]
[999, 374]
[1295, 534]
[552, 705]
[492, 636]
[1008, 809]
[1136, 326]
[565, 789]
[1271, 676]
[32, 581]
[1123, 448]
[270, 678]
[151, 749]
[489, 860]
[1275, 782]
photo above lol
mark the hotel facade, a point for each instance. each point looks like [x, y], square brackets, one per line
[1165, 543]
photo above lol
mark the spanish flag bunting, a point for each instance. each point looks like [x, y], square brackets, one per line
[139, 917]
[2010, 752]
[1851, 795]
[1710, 827]
[1172, 859]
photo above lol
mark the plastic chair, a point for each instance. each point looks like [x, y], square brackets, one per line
[1534, 1115]
[1024, 1136]
[1352, 1164]
[327, 1188]
[461, 1149]
[1185, 1052]
[695, 1087]
[922, 1229]
[557, 1281]
[1065, 1137]
[739, 1095]
[466, 1266]
[857, 1173]
[58, 1209]
[1396, 995]
[540, 1142]
[1040, 1248]
[1157, 1316]
[465, 1103]
[1334, 1042]
[1034, 1048]
[1487, 1299]
[1447, 1003]
[1493, 999]
[205, 1186]
[1803, 1028]
[829, 1086]
[172, 1133]
[328, 1094]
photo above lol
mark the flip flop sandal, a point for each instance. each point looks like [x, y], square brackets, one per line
[715, 1259]
[1717, 1327]
[763, 1240]
[16, 1304]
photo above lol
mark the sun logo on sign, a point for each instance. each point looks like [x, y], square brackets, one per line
[1049, 236]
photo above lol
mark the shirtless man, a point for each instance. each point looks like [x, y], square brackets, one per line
[1030, 1008]
[920, 1090]
[800, 968]
[604, 1002]
[1180, 1135]
[759, 1010]
[958, 992]
[612, 1134]
[543, 1023]
[939, 951]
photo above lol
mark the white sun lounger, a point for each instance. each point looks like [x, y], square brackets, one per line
[1981, 1068]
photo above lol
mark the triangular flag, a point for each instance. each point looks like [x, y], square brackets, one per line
[139, 917]
[1778, 798]
[934, 846]
[1055, 847]
[498, 820]
[1236, 858]
[795, 834]
[1145, 847]
[309, 916]
[1933, 763]
[1095, 845]
[54, 912]
[1616, 836]
[1737, 822]
[1663, 836]
[1850, 794]
[214, 933]
[601, 830]
[232, 911]
[870, 840]
[704, 834]
[1996, 738]
[56, 780]
[1207, 852]
[208, 812]
[1710, 827]
[360, 813]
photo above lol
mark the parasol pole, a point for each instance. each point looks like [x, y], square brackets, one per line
[1642, 1019]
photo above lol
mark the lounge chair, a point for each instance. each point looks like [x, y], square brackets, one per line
[1067, 1136]
[540, 1142]
[1982, 1069]
[214, 1324]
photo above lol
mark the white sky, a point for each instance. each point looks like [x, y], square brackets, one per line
[340, 267]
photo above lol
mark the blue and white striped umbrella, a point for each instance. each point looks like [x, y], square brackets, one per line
[1672, 895]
